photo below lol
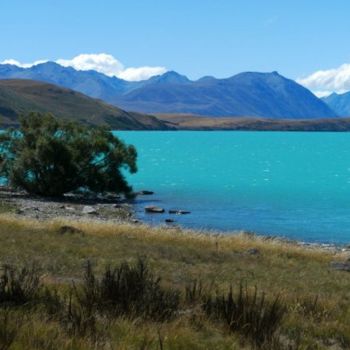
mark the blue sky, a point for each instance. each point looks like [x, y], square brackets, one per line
[194, 37]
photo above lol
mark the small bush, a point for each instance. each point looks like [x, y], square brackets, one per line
[18, 287]
[248, 314]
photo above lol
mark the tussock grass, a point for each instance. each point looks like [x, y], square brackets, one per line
[197, 265]
[248, 314]
[18, 287]
[127, 290]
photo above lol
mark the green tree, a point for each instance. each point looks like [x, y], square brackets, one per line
[49, 157]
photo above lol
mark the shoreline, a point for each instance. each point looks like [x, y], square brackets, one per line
[117, 211]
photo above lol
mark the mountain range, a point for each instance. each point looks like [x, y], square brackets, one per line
[246, 94]
[23, 96]
[268, 95]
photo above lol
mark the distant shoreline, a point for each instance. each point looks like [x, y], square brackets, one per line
[189, 122]
[184, 122]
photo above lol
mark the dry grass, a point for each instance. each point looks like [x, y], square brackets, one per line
[276, 267]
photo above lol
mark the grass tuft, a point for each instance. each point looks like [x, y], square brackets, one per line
[251, 315]
[127, 290]
[18, 287]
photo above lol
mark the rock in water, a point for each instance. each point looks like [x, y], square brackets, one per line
[179, 212]
[145, 193]
[154, 209]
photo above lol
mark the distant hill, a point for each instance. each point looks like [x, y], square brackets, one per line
[22, 96]
[267, 95]
[340, 103]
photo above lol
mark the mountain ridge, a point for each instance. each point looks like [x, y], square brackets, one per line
[252, 94]
[255, 94]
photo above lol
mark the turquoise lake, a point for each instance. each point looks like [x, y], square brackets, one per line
[290, 184]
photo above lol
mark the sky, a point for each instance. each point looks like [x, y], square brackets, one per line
[303, 40]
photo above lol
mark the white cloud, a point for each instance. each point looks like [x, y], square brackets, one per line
[103, 63]
[324, 82]
[22, 65]
[141, 73]
[324, 93]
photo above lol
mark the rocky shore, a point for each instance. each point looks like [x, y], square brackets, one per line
[71, 206]
[113, 208]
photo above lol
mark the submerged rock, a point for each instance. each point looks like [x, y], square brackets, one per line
[169, 221]
[145, 193]
[154, 209]
[179, 211]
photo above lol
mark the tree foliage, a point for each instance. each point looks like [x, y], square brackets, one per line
[49, 157]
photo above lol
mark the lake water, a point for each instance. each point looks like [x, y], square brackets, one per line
[289, 184]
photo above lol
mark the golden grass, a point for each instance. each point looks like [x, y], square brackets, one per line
[297, 273]
[169, 235]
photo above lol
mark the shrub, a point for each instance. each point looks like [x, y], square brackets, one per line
[250, 315]
[49, 157]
